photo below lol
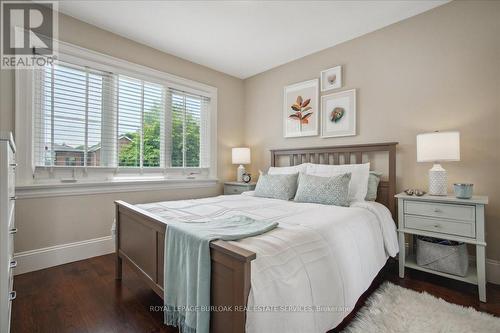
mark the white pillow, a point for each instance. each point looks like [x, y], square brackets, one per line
[358, 187]
[288, 170]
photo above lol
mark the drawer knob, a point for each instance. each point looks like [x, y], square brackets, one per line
[13, 165]
[13, 198]
[12, 296]
[13, 231]
[437, 210]
[437, 226]
[13, 264]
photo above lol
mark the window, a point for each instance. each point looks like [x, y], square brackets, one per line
[86, 117]
[68, 117]
[141, 123]
[188, 126]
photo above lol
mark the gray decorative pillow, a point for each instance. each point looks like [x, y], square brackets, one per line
[324, 190]
[373, 181]
[277, 186]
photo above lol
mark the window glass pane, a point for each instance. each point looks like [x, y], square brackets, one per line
[178, 107]
[129, 121]
[94, 144]
[153, 125]
[193, 113]
[68, 108]
[186, 128]
[141, 120]
[69, 103]
[43, 118]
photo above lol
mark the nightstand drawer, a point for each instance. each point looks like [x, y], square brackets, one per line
[234, 189]
[459, 228]
[447, 211]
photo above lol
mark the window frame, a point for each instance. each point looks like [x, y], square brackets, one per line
[28, 174]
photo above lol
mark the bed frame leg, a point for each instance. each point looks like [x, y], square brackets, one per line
[118, 268]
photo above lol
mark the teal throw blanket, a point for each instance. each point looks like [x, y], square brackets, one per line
[187, 267]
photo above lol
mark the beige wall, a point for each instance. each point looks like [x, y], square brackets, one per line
[51, 221]
[436, 71]
[45, 222]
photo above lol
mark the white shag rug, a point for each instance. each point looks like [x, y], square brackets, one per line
[393, 309]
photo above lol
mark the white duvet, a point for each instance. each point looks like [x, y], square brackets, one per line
[310, 270]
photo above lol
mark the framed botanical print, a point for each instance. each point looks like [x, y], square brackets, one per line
[338, 111]
[331, 78]
[300, 109]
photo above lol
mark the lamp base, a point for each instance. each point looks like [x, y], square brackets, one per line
[438, 180]
[240, 172]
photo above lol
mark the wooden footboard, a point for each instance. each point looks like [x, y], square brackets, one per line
[140, 238]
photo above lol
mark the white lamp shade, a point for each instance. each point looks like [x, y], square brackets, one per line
[438, 146]
[241, 155]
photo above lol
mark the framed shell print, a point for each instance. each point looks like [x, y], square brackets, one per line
[300, 109]
[338, 111]
[331, 78]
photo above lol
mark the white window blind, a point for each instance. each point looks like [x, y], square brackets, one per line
[189, 126]
[71, 116]
[141, 121]
[91, 118]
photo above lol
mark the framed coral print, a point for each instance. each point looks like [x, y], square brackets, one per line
[338, 111]
[300, 109]
[331, 78]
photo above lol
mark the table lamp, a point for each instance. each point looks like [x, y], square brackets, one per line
[438, 147]
[241, 156]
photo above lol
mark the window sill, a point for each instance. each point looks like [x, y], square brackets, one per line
[42, 190]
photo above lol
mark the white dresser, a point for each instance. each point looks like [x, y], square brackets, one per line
[7, 227]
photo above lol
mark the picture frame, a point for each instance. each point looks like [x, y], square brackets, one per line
[338, 113]
[331, 78]
[301, 109]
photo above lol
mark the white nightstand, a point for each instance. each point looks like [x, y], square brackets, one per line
[237, 187]
[444, 217]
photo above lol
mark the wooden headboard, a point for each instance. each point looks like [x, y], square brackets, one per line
[347, 155]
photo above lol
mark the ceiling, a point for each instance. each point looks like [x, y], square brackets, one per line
[243, 38]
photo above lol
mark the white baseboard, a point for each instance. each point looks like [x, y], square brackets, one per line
[34, 260]
[493, 271]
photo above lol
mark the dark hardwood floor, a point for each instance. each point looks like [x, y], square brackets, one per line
[84, 297]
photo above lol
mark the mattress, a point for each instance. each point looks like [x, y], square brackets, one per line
[309, 271]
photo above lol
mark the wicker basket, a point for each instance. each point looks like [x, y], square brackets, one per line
[443, 256]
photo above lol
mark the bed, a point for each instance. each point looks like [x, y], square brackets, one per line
[272, 282]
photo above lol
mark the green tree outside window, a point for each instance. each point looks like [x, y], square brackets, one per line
[129, 154]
